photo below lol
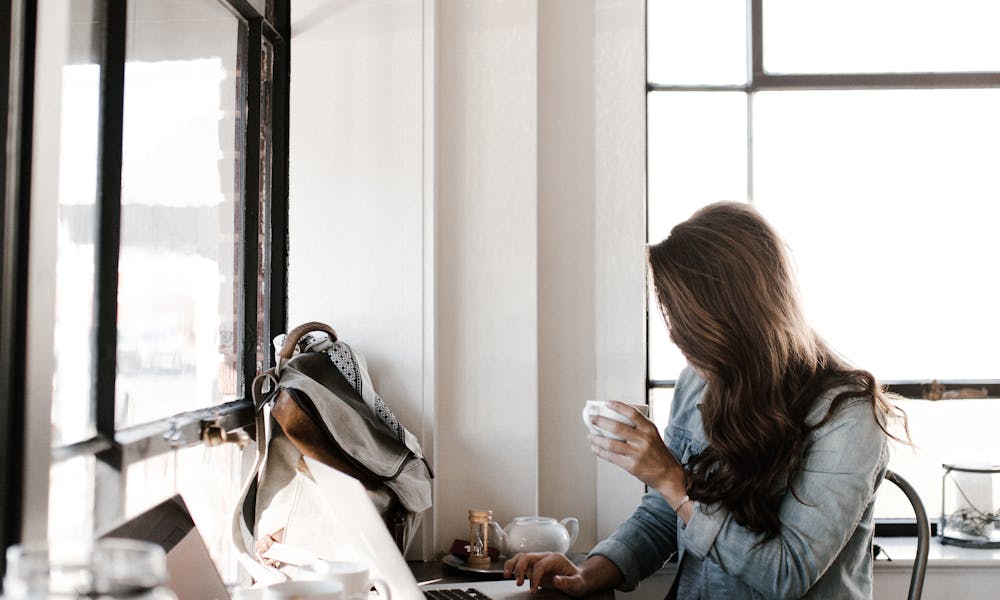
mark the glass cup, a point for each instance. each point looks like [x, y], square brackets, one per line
[106, 569]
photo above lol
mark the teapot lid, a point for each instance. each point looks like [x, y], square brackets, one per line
[534, 520]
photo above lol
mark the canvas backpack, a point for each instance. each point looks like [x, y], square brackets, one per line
[319, 401]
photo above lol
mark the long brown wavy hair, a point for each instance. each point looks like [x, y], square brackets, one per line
[728, 295]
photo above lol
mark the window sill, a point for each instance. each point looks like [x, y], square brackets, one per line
[902, 551]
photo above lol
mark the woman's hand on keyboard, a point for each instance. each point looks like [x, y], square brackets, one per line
[554, 571]
[545, 569]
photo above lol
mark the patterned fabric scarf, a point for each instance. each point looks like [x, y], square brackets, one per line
[343, 358]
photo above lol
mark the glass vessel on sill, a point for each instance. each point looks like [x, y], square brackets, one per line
[106, 569]
[970, 506]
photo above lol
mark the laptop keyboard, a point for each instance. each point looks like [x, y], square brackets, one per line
[455, 594]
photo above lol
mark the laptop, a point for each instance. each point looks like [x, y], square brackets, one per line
[361, 535]
[192, 572]
[354, 523]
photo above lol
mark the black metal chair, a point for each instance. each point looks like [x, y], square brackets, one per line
[923, 535]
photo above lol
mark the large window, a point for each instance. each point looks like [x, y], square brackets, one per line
[160, 131]
[868, 134]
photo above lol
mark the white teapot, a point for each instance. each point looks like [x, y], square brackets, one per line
[535, 534]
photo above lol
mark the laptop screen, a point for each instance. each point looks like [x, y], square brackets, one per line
[192, 572]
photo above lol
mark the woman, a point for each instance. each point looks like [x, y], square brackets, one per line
[765, 479]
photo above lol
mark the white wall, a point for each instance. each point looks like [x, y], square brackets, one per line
[481, 242]
[567, 270]
[892, 581]
[356, 176]
[620, 234]
[487, 261]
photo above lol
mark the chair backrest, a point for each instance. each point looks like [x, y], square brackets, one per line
[923, 535]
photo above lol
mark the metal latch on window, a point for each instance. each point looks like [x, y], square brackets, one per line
[939, 391]
[213, 434]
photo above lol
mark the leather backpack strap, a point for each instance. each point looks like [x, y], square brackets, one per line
[242, 533]
[293, 337]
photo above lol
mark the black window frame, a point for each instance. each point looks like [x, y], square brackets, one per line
[758, 80]
[116, 449]
[17, 20]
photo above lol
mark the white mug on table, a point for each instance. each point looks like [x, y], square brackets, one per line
[320, 589]
[354, 576]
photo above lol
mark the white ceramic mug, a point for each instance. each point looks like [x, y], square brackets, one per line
[600, 408]
[250, 594]
[355, 578]
[319, 589]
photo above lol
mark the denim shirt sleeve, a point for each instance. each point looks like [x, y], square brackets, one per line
[843, 466]
[643, 543]
[646, 540]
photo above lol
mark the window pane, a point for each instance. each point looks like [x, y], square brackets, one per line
[954, 431]
[665, 360]
[208, 478]
[71, 500]
[179, 266]
[889, 201]
[865, 36]
[697, 155]
[68, 133]
[697, 42]
[659, 407]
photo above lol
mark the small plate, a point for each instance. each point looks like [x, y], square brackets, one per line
[495, 568]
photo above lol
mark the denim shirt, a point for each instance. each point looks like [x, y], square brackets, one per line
[824, 547]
